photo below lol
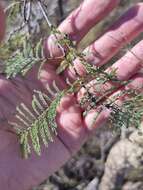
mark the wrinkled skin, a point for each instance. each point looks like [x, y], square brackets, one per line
[73, 129]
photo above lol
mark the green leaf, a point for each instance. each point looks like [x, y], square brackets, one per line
[38, 124]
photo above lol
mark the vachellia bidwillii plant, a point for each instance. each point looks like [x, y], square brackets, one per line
[37, 125]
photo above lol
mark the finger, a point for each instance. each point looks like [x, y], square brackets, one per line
[130, 63]
[83, 19]
[125, 68]
[123, 31]
[2, 23]
[80, 21]
[102, 118]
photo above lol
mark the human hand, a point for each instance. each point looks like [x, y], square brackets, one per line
[73, 129]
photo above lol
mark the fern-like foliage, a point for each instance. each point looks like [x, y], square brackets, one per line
[38, 123]
[24, 59]
[129, 114]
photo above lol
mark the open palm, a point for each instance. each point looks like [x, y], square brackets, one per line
[73, 129]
